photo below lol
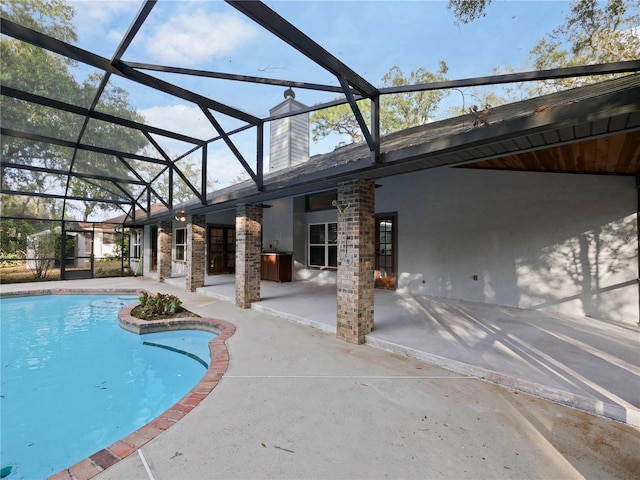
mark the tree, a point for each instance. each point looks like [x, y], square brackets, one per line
[594, 32]
[114, 101]
[13, 240]
[42, 252]
[339, 119]
[406, 110]
[467, 11]
[32, 69]
[397, 111]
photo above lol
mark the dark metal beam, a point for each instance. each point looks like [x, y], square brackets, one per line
[203, 175]
[65, 143]
[290, 34]
[56, 46]
[172, 164]
[234, 77]
[364, 128]
[551, 74]
[66, 197]
[96, 98]
[105, 117]
[260, 156]
[180, 92]
[158, 196]
[133, 171]
[33, 168]
[231, 146]
[375, 128]
[142, 15]
[198, 194]
[127, 195]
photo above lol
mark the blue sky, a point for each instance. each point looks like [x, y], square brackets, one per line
[369, 36]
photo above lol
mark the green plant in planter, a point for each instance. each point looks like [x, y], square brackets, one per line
[157, 306]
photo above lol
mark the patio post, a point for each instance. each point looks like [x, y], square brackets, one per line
[248, 249]
[195, 252]
[356, 249]
[165, 235]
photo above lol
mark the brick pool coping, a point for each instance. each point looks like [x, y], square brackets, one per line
[109, 456]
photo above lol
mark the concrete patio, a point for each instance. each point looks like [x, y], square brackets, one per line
[587, 363]
[298, 403]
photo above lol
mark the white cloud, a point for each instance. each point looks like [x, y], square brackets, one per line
[93, 17]
[223, 167]
[184, 119]
[187, 39]
[115, 35]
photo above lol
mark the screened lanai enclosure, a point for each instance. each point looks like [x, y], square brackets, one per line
[117, 115]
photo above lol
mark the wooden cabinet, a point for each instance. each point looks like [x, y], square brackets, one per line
[276, 267]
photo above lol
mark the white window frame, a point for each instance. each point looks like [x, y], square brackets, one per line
[136, 243]
[326, 245]
[180, 247]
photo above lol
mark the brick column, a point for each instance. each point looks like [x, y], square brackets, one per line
[248, 249]
[195, 252]
[165, 234]
[356, 240]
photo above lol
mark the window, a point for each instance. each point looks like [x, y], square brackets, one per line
[181, 244]
[108, 238]
[321, 201]
[136, 243]
[323, 245]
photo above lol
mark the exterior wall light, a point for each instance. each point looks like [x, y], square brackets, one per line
[341, 208]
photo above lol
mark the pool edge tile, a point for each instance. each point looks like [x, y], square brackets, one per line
[219, 363]
[84, 470]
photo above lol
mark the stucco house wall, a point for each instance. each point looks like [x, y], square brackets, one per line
[560, 242]
[563, 243]
[277, 226]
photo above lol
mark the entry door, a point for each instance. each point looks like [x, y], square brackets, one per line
[78, 255]
[222, 250]
[386, 252]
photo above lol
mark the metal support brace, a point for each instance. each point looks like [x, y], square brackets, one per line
[257, 180]
[203, 180]
[358, 114]
[260, 156]
[170, 199]
[375, 128]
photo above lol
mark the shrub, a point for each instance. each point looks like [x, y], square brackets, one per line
[156, 306]
[10, 259]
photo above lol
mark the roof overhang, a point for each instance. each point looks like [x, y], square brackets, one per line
[552, 122]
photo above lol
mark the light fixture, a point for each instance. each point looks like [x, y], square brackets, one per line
[341, 208]
[117, 229]
[181, 216]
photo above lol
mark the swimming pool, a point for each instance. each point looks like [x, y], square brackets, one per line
[73, 381]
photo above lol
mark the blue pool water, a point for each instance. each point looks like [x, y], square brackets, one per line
[74, 382]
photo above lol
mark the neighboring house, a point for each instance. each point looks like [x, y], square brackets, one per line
[536, 209]
[85, 243]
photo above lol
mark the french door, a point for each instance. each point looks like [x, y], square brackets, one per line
[386, 252]
[222, 250]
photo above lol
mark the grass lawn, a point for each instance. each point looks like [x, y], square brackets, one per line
[20, 273]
